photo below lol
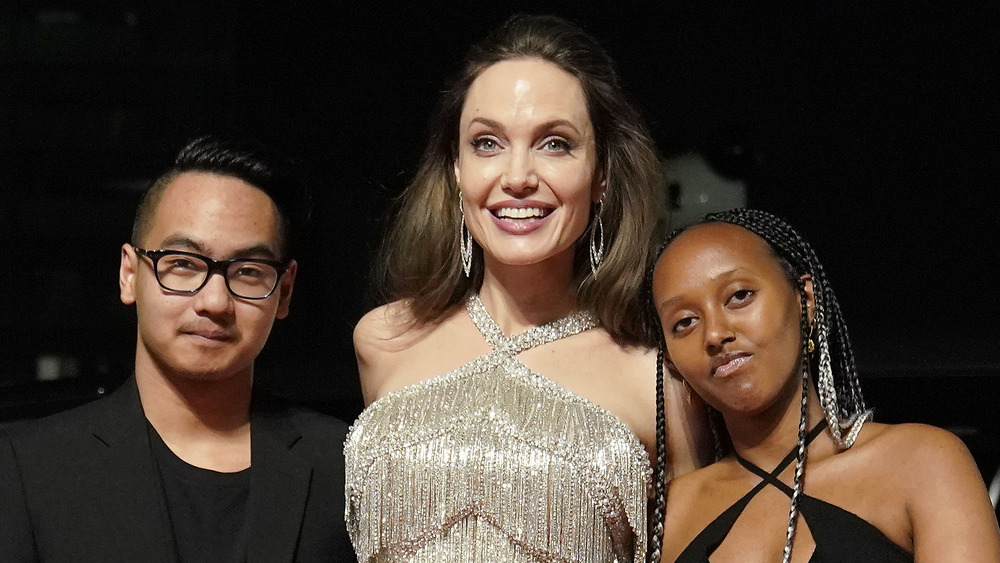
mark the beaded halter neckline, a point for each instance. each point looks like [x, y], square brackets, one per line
[569, 325]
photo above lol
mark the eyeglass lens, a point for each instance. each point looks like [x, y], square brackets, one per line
[180, 272]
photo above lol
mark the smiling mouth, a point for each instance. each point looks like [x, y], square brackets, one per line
[521, 213]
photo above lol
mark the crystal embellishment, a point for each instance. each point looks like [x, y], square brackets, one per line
[493, 462]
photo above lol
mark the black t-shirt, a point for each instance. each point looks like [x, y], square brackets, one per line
[207, 508]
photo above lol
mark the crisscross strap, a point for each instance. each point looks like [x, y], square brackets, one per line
[772, 477]
[709, 539]
[839, 535]
[536, 336]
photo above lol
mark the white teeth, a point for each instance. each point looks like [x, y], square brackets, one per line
[520, 212]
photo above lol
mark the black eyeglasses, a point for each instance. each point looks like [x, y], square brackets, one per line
[186, 272]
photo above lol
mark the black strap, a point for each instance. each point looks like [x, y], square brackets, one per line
[772, 477]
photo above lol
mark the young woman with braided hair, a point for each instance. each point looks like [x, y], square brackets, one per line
[751, 324]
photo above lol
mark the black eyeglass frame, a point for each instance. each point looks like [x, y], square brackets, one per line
[221, 266]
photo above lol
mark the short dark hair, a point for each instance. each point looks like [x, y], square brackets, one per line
[245, 159]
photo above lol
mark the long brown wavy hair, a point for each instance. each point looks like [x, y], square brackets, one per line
[419, 259]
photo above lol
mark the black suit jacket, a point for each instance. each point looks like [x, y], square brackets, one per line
[83, 486]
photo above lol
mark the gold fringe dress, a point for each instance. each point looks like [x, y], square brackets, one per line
[493, 462]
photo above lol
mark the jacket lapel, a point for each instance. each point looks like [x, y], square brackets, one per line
[279, 487]
[128, 482]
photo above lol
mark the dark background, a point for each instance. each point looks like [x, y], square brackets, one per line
[871, 128]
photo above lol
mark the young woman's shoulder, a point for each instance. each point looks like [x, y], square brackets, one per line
[693, 500]
[689, 487]
[946, 499]
[917, 445]
[919, 457]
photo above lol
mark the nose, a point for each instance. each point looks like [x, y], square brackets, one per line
[519, 177]
[718, 332]
[214, 298]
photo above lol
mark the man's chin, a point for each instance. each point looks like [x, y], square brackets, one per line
[202, 371]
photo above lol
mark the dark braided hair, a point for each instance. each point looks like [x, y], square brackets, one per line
[660, 476]
[836, 380]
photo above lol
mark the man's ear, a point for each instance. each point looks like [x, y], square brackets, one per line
[810, 298]
[127, 273]
[285, 289]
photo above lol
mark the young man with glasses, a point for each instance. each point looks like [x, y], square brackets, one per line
[185, 462]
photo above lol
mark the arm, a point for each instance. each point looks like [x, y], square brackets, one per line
[366, 351]
[16, 538]
[949, 508]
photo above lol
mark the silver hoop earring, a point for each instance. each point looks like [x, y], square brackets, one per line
[597, 240]
[464, 240]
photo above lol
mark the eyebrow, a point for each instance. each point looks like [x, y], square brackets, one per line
[559, 123]
[667, 303]
[541, 127]
[672, 300]
[487, 122]
[194, 246]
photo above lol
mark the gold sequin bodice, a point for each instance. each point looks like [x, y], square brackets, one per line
[492, 462]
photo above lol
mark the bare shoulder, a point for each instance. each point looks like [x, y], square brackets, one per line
[394, 349]
[620, 379]
[692, 501]
[595, 350]
[381, 325]
[379, 338]
[918, 446]
[946, 500]
[686, 490]
[912, 459]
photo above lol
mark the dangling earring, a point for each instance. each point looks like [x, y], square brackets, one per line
[810, 345]
[464, 240]
[597, 240]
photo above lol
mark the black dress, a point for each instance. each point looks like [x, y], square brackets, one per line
[840, 535]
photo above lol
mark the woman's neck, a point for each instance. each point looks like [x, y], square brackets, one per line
[520, 297]
[765, 438]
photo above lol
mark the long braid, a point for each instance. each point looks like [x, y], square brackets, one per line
[825, 387]
[830, 323]
[847, 359]
[800, 456]
[720, 437]
[660, 476]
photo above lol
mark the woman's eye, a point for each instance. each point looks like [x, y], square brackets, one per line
[485, 144]
[683, 324]
[557, 146]
[741, 296]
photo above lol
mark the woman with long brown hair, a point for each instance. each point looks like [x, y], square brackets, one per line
[509, 377]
